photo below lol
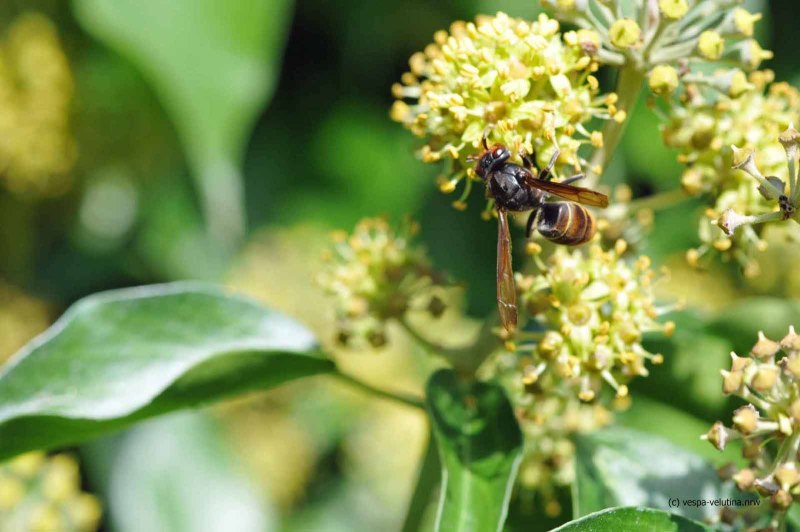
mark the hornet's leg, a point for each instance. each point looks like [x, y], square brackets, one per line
[572, 179]
[531, 221]
[528, 160]
[545, 173]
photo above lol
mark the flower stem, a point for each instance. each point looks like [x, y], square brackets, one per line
[466, 359]
[408, 400]
[629, 85]
[659, 201]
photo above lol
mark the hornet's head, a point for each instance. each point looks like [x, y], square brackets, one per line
[490, 159]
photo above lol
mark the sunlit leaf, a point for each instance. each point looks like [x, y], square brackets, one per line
[633, 519]
[624, 467]
[124, 355]
[480, 446]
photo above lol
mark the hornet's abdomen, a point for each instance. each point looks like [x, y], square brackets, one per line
[566, 223]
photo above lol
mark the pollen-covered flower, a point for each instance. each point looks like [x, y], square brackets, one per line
[704, 127]
[768, 379]
[594, 309]
[377, 274]
[528, 83]
[37, 150]
[40, 492]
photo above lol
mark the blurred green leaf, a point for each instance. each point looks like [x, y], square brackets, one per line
[214, 65]
[630, 519]
[677, 426]
[205, 490]
[693, 358]
[121, 356]
[480, 446]
[369, 166]
[624, 467]
[742, 322]
[651, 159]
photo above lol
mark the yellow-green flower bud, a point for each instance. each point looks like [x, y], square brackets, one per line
[711, 44]
[745, 21]
[673, 9]
[663, 80]
[624, 33]
[745, 419]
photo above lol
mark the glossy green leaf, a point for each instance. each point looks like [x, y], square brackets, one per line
[624, 467]
[214, 65]
[480, 446]
[120, 356]
[633, 520]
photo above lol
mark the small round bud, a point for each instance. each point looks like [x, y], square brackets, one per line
[739, 363]
[739, 84]
[764, 378]
[718, 436]
[781, 500]
[663, 80]
[624, 33]
[752, 54]
[744, 479]
[787, 475]
[765, 348]
[673, 9]
[731, 381]
[745, 21]
[791, 342]
[710, 45]
[745, 419]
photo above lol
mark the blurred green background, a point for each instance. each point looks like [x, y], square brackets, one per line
[224, 141]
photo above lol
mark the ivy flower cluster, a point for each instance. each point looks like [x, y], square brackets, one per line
[706, 129]
[37, 150]
[376, 274]
[663, 38]
[40, 492]
[527, 83]
[594, 309]
[768, 379]
[549, 416]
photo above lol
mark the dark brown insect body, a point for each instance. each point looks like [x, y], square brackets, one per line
[515, 188]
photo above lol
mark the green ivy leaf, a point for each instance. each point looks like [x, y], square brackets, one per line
[124, 355]
[214, 66]
[633, 519]
[480, 446]
[624, 467]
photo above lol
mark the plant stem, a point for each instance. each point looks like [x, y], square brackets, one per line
[408, 400]
[629, 84]
[661, 200]
[466, 359]
[427, 480]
